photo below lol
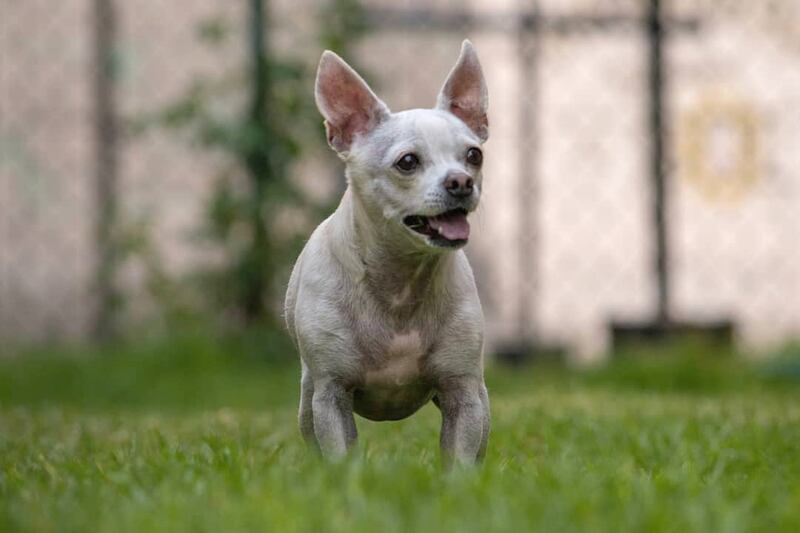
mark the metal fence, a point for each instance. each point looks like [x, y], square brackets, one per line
[642, 171]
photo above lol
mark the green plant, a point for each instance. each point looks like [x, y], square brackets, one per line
[272, 127]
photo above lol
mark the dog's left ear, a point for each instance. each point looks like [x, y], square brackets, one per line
[464, 93]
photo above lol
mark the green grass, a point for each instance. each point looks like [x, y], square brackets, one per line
[201, 436]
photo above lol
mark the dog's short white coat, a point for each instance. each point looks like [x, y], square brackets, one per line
[385, 319]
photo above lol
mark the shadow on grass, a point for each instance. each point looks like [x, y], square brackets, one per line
[689, 366]
[259, 370]
[191, 370]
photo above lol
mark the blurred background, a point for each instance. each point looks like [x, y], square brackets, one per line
[162, 163]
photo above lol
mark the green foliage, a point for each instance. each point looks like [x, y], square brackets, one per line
[344, 23]
[261, 117]
[255, 186]
[198, 433]
[784, 367]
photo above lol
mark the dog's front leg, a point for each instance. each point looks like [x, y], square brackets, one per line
[305, 415]
[465, 419]
[334, 426]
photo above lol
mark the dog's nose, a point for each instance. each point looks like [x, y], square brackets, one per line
[459, 184]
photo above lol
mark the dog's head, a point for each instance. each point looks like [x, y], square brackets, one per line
[419, 171]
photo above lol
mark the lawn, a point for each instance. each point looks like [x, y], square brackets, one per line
[201, 436]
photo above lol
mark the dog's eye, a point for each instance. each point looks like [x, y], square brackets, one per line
[407, 164]
[474, 157]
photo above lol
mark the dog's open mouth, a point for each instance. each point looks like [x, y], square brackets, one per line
[450, 228]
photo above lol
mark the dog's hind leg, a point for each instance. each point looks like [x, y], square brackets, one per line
[334, 425]
[306, 414]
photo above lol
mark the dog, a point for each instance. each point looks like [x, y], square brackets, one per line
[382, 303]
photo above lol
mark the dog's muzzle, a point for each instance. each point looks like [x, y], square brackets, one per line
[449, 229]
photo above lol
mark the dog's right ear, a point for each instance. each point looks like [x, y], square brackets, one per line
[349, 106]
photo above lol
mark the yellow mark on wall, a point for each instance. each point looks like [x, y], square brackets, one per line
[718, 147]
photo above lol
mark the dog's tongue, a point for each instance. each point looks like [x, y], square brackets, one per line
[452, 225]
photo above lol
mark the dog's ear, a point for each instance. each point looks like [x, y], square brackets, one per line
[464, 93]
[346, 102]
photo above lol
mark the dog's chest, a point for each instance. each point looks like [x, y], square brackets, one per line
[393, 383]
[399, 360]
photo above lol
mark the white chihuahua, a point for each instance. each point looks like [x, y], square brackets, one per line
[382, 302]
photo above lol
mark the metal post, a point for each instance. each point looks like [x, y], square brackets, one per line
[528, 49]
[258, 58]
[258, 166]
[106, 131]
[658, 134]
